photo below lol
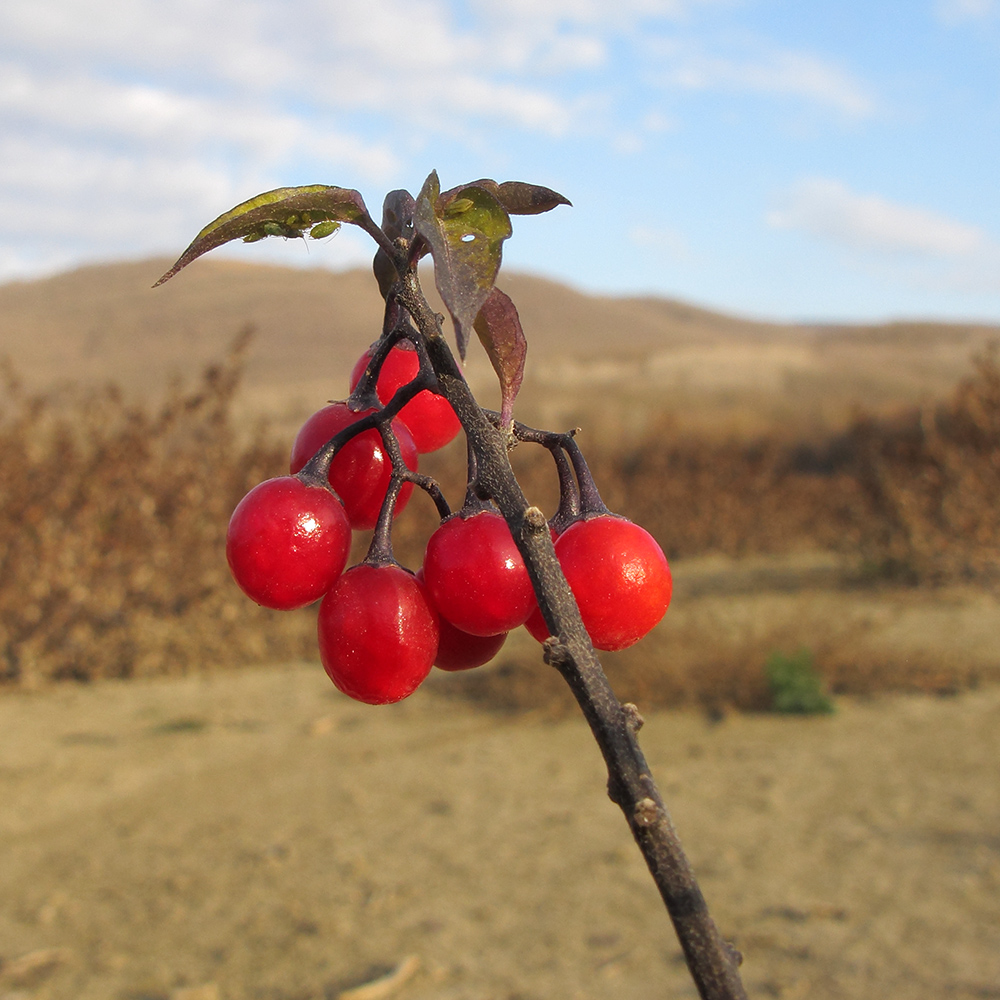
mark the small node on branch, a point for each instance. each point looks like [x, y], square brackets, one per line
[633, 719]
[617, 792]
[534, 520]
[554, 652]
[646, 814]
[735, 955]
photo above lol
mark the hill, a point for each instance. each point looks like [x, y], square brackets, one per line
[638, 357]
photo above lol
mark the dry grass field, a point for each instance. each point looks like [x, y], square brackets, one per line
[200, 833]
[253, 835]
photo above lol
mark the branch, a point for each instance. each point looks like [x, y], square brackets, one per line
[712, 962]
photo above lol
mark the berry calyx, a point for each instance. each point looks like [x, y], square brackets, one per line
[428, 417]
[360, 471]
[378, 633]
[287, 543]
[619, 577]
[476, 576]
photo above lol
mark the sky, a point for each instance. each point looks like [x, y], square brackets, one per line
[835, 160]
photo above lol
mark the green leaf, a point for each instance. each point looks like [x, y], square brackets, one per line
[499, 329]
[288, 212]
[465, 229]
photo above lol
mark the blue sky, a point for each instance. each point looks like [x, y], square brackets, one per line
[832, 160]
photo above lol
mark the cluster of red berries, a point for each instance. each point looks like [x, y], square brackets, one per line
[381, 627]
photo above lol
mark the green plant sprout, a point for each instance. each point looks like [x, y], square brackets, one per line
[796, 686]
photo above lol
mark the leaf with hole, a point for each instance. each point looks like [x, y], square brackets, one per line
[465, 229]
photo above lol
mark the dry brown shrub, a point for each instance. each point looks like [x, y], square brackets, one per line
[913, 494]
[113, 520]
[112, 533]
[932, 478]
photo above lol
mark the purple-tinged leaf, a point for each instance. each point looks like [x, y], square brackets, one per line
[529, 199]
[288, 212]
[465, 229]
[397, 214]
[397, 221]
[519, 198]
[385, 272]
[499, 329]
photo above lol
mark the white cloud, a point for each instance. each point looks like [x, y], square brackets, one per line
[586, 12]
[655, 121]
[101, 197]
[142, 115]
[894, 243]
[124, 124]
[830, 210]
[953, 12]
[410, 47]
[777, 72]
[203, 40]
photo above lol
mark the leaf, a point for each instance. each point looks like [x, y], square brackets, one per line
[529, 199]
[517, 197]
[465, 229]
[288, 212]
[499, 329]
[397, 221]
[385, 272]
[397, 214]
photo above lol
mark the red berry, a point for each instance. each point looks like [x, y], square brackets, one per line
[378, 633]
[619, 577]
[361, 470]
[428, 416]
[287, 543]
[476, 576]
[458, 650]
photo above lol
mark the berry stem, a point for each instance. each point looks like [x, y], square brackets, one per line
[591, 503]
[404, 474]
[712, 962]
[317, 468]
[569, 492]
[364, 395]
[380, 549]
[432, 489]
[474, 499]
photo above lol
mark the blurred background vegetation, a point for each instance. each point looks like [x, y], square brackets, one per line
[802, 510]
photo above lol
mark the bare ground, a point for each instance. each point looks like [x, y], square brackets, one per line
[256, 835]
